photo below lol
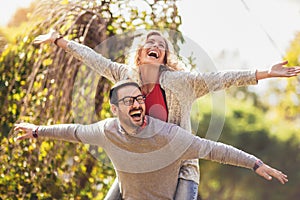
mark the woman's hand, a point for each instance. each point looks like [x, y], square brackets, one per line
[46, 38]
[27, 128]
[278, 70]
[268, 172]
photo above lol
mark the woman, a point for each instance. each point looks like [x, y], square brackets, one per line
[169, 91]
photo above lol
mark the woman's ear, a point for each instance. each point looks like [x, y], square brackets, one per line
[114, 109]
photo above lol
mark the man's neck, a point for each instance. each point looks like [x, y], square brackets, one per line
[132, 130]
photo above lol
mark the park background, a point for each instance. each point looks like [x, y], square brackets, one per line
[37, 85]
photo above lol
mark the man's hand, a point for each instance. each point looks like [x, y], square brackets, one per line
[279, 70]
[268, 172]
[27, 128]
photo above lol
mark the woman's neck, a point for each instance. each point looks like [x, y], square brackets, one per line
[149, 76]
[150, 73]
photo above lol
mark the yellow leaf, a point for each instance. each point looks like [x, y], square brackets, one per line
[47, 62]
[64, 2]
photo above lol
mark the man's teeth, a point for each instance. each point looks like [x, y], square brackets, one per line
[136, 112]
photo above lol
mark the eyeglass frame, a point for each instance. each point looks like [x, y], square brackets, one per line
[133, 99]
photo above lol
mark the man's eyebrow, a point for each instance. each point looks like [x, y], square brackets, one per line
[126, 96]
[130, 96]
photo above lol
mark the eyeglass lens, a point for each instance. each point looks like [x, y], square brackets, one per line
[128, 101]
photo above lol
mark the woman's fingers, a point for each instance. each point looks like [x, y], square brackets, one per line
[41, 38]
[46, 37]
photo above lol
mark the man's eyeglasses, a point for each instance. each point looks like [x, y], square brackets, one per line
[129, 101]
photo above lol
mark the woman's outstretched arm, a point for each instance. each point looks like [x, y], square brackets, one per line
[52, 37]
[105, 67]
[199, 84]
[278, 70]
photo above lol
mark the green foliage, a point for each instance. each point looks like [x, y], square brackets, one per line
[248, 128]
[43, 85]
[291, 103]
[37, 85]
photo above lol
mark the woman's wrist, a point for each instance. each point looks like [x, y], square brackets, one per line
[56, 40]
[262, 74]
[59, 40]
[54, 36]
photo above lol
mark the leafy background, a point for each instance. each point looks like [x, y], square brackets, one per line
[37, 86]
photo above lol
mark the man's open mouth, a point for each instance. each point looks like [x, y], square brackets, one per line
[136, 114]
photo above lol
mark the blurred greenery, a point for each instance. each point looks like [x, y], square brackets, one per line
[43, 85]
[247, 128]
[38, 84]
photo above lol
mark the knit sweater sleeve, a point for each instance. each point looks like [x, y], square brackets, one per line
[198, 84]
[105, 67]
[222, 153]
[87, 134]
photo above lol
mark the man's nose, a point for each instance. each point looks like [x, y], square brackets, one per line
[136, 103]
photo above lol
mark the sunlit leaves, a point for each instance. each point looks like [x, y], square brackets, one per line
[64, 2]
[37, 84]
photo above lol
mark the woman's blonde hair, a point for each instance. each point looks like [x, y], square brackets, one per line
[170, 60]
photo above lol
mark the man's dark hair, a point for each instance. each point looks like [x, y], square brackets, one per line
[113, 93]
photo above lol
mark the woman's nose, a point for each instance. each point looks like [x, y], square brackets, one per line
[155, 45]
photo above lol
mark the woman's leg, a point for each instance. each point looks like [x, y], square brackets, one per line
[186, 190]
[114, 192]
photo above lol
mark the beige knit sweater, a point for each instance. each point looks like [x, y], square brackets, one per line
[181, 89]
[148, 162]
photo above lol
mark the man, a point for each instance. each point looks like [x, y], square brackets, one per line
[145, 151]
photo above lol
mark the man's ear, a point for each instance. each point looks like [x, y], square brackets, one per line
[114, 109]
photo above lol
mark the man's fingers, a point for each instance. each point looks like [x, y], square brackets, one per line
[280, 176]
[26, 128]
[21, 126]
[22, 137]
[268, 172]
[266, 176]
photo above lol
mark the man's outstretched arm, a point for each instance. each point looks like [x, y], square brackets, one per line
[227, 154]
[87, 134]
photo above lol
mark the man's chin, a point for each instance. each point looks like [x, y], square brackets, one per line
[137, 122]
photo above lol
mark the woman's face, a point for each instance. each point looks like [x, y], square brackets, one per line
[153, 51]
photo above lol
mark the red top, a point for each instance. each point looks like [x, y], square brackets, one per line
[155, 104]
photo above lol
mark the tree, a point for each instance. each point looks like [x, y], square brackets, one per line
[37, 83]
[291, 103]
[248, 128]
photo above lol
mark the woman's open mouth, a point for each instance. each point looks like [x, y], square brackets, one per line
[153, 54]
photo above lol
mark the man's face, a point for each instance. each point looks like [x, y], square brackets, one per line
[154, 51]
[130, 116]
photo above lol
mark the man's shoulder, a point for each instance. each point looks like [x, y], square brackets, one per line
[111, 125]
[157, 125]
[109, 121]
